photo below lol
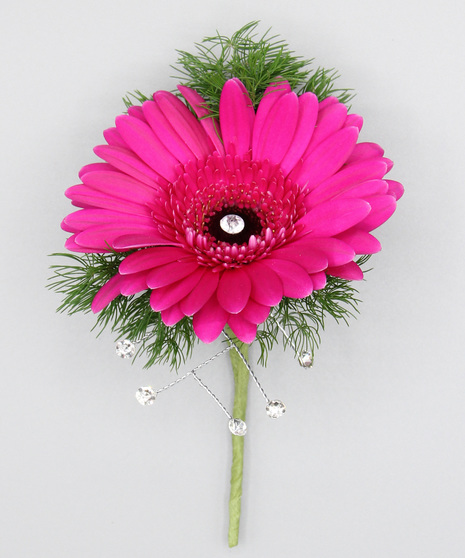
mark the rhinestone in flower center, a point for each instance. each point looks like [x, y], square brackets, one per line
[232, 224]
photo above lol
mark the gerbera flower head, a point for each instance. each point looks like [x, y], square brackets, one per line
[222, 218]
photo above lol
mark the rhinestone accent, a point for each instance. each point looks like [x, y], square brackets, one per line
[232, 224]
[125, 349]
[275, 409]
[306, 359]
[237, 427]
[146, 395]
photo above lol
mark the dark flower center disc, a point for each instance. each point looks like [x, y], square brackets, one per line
[244, 220]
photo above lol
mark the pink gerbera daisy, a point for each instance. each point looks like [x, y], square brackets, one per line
[224, 219]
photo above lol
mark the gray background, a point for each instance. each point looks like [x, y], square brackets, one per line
[369, 460]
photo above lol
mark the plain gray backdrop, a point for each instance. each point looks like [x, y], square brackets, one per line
[369, 460]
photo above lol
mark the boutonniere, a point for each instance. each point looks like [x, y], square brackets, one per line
[238, 207]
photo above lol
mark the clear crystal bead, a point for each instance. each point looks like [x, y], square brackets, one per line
[146, 395]
[275, 409]
[232, 224]
[306, 359]
[238, 427]
[125, 349]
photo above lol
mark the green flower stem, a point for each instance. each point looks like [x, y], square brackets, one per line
[241, 382]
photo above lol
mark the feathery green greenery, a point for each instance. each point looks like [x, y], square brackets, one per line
[128, 317]
[136, 97]
[256, 61]
[304, 319]
[80, 277]
[132, 318]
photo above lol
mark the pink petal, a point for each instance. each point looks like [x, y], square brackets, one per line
[350, 271]
[271, 95]
[329, 121]
[382, 207]
[363, 151]
[308, 112]
[319, 280]
[165, 132]
[311, 260]
[88, 197]
[71, 245]
[130, 241]
[200, 294]
[170, 273]
[209, 124]
[164, 297]
[102, 236]
[251, 111]
[210, 320]
[91, 217]
[278, 129]
[125, 161]
[328, 101]
[151, 258]
[254, 312]
[362, 242]
[172, 315]
[389, 164]
[234, 290]
[245, 331]
[327, 158]
[137, 112]
[95, 167]
[113, 137]
[141, 139]
[364, 189]
[106, 294]
[296, 281]
[395, 189]
[335, 251]
[80, 204]
[354, 120]
[119, 185]
[334, 217]
[184, 122]
[235, 118]
[348, 177]
[267, 288]
[68, 227]
[134, 283]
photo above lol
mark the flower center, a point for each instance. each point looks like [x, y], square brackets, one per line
[233, 225]
[230, 210]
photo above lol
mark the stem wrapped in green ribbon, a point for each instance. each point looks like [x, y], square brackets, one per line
[241, 382]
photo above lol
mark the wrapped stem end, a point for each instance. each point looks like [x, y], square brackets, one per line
[241, 382]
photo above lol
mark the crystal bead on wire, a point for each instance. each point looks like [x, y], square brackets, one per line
[125, 349]
[275, 409]
[146, 395]
[237, 427]
[306, 359]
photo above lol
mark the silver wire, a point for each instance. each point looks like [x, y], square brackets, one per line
[244, 360]
[192, 372]
[287, 336]
[211, 394]
[146, 336]
[174, 383]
